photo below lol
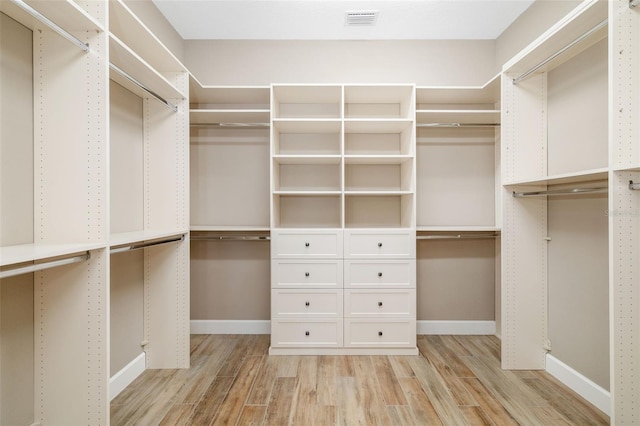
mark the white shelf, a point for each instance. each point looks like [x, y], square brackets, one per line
[307, 193]
[127, 60]
[319, 125]
[11, 255]
[566, 178]
[376, 193]
[64, 13]
[140, 236]
[231, 97]
[581, 20]
[306, 94]
[458, 116]
[222, 116]
[358, 125]
[377, 159]
[307, 159]
[628, 168]
[126, 26]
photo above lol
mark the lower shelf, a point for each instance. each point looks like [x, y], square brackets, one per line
[343, 351]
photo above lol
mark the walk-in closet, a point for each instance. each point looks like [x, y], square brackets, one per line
[209, 219]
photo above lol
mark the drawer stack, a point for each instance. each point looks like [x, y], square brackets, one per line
[330, 297]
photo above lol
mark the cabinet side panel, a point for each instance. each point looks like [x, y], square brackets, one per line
[16, 133]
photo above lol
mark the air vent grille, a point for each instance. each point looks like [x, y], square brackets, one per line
[360, 18]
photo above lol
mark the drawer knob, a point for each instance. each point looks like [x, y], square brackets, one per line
[379, 244]
[379, 303]
[379, 274]
[306, 303]
[379, 333]
[306, 274]
[306, 333]
[306, 244]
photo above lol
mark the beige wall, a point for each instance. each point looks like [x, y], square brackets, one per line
[264, 62]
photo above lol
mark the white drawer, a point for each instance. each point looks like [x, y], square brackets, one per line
[374, 334]
[306, 244]
[380, 303]
[306, 274]
[306, 303]
[382, 243]
[306, 333]
[380, 273]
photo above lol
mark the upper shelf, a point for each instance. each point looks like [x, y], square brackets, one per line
[130, 62]
[565, 178]
[229, 117]
[128, 28]
[488, 94]
[377, 125]
[12, 255]
[228, 97]
[560, 42]
[458, 116]
[64, 13]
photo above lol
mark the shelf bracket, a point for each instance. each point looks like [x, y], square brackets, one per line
[634, 186]
[634, 3]
[49, 23]
[139, 246]
[171, 106]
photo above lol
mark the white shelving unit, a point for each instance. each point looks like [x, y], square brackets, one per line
[76, 184]
[343, 210]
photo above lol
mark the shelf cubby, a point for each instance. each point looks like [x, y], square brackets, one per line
[379, 102]
[306, 101]
[304, 210]
[381, 210]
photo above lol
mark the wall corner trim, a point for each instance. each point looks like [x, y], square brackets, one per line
[580, 384]
[128, 374]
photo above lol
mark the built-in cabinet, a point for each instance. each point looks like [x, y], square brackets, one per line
[92, 166]
[343, 219]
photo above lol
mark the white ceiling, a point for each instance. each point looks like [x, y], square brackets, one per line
[325, 19]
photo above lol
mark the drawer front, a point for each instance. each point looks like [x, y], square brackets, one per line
[306, 333]
[374, 334]
[380, 303]
[303, 244]
[306, 303]
[372, 274]
[306, 274]
[391, 244]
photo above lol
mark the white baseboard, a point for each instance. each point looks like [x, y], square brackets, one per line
[230, 327]
[128, 374]
[584, 387]
[457, 327]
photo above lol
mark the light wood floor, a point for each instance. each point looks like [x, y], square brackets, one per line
[456, 380]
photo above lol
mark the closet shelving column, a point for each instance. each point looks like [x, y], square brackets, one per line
[380, 218]
[624, 208]
[140, 63]
[527, 168]
[306, 218]
[230, 207]
[64, 346]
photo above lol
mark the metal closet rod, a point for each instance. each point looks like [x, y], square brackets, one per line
[173, 107]
[634, 186]
[230, 238]
[458, 125]
[49, 23]
[227, 125]
[559, 52]
[458, 237]
[74, 258]
[139, 246]
[573, 191]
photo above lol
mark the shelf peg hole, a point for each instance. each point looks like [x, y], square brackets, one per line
[379, 274]
[379, 303]
[306, 274]
[306, 303]
[306, 244]
[379, 244]
[379, 333]
[306, 333]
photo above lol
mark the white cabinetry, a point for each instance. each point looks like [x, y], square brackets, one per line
[343, 219]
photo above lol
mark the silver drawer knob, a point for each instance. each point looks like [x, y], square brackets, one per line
[379, 333]
[379, 244]
[379, 274]
[379, 303]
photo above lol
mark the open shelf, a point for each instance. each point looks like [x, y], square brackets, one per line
[239, 228]
[377, 159]
[568, 178]
[379, 102]
[141, 236]
[65, 13]
[487, 94]
[374, 125]
[307, 159]
[304, 101]
[228, 117]
[228, 97]
[458, 116]
[305, 210]
[20, 253]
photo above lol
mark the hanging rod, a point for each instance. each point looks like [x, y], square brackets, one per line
[457, 237]
[230, 238]
[228, 125]
[458, 125]
[560, 52]
[173, 107]
[139, 246]
[49, 23]
[45, 265]
[634, 186]
[573, 191]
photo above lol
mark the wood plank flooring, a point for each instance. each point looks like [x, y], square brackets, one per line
[456, 380]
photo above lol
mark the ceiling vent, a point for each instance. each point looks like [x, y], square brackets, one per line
[361, 18]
